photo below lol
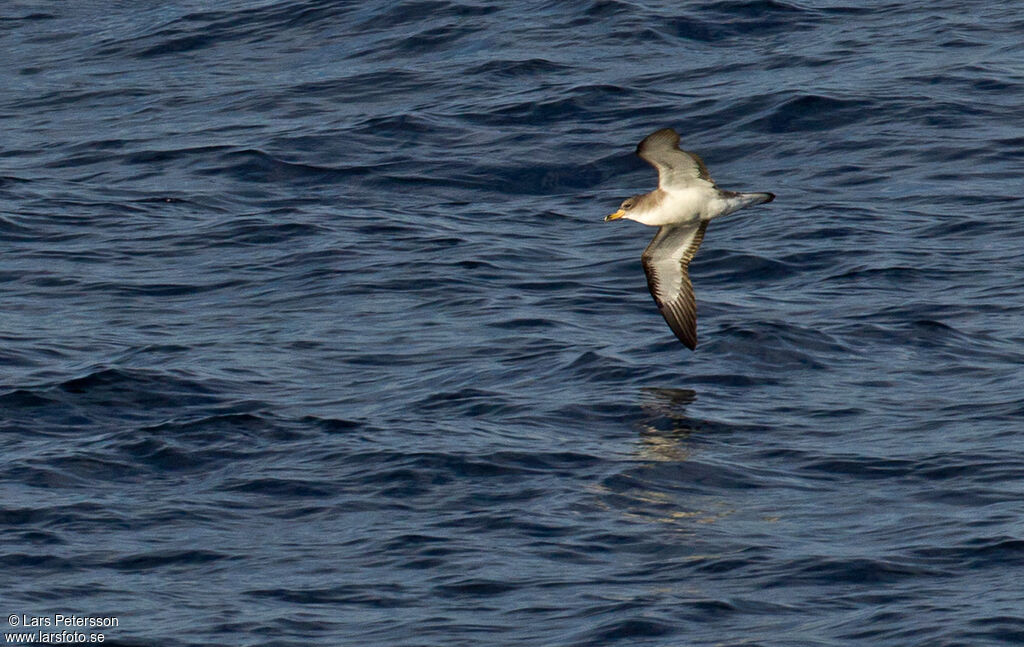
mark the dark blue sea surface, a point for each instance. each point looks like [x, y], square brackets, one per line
[311, 332]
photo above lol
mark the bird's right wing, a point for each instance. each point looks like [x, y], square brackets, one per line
[666, 262]
[676, 168]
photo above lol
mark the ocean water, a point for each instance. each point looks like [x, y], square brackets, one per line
[312, 333]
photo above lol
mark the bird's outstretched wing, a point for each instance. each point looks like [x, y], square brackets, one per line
[676, 168]
[666, 262]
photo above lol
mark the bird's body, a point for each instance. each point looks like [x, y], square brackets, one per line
[685, 201]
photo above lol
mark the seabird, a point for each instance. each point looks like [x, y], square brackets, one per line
[686, 200]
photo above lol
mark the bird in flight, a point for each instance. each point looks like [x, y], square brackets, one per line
[686, 200]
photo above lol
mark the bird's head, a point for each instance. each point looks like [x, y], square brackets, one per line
[628, 205]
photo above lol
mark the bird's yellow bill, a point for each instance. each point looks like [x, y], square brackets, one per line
[615, 216]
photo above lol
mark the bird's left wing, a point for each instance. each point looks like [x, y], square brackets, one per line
[666, 262]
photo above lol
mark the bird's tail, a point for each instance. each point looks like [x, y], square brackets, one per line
[750, 199]
[734, 201]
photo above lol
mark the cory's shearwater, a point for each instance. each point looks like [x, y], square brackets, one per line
[685, 201]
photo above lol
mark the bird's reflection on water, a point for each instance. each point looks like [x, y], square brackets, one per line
[666, 482]
[665, 428]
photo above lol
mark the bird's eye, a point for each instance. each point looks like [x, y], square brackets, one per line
[628, 204]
